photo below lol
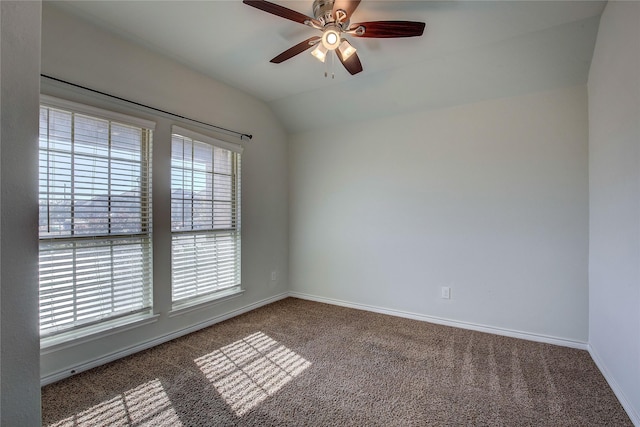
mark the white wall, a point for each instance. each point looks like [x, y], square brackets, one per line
[614, 201]
[19, 340]
[488, 198]
[78, 52]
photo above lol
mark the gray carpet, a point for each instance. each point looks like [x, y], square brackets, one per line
[296, 362]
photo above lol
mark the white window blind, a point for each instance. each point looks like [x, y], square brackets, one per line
[205, 216]
[95, 217]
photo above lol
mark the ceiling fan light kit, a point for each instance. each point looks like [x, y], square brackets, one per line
[346, 49]
[331, 38]
[332, 17]
[320, 52]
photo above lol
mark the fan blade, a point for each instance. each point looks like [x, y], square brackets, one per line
[352, 64]
[295, 50]
[389, 29]
[278, 10]
[347, 5]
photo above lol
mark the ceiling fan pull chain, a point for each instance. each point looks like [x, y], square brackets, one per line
[333, 76]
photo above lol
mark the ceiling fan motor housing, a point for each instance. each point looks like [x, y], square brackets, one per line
[322, 10]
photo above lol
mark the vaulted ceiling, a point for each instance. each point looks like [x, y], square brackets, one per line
[470, 51]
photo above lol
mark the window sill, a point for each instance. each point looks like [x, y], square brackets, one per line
[204, 302]
[94, 332]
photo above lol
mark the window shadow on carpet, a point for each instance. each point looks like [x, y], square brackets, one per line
[147, 404]
[250, 370]
[175, 385]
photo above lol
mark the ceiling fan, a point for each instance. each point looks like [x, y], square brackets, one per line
[332, 17]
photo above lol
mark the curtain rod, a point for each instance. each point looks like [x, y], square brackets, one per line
[242, 136]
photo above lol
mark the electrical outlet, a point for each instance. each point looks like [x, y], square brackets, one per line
[274, 275]
[445, 292]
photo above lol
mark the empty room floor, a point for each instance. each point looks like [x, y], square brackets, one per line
[296, 362]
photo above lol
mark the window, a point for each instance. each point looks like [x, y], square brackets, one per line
[205, 217]
[94, 216]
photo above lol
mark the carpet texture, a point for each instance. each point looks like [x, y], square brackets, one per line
[297, 362]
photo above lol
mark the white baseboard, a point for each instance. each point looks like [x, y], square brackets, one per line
[622, 398]
[447, 322]
[57, 376]
[633, 415]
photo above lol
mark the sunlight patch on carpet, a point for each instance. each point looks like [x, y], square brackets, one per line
[145, 405]
[248, 371]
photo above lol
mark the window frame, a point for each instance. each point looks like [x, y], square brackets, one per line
[196, 301]
[109, 324]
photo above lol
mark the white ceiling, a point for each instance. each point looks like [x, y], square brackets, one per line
[471, 50]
